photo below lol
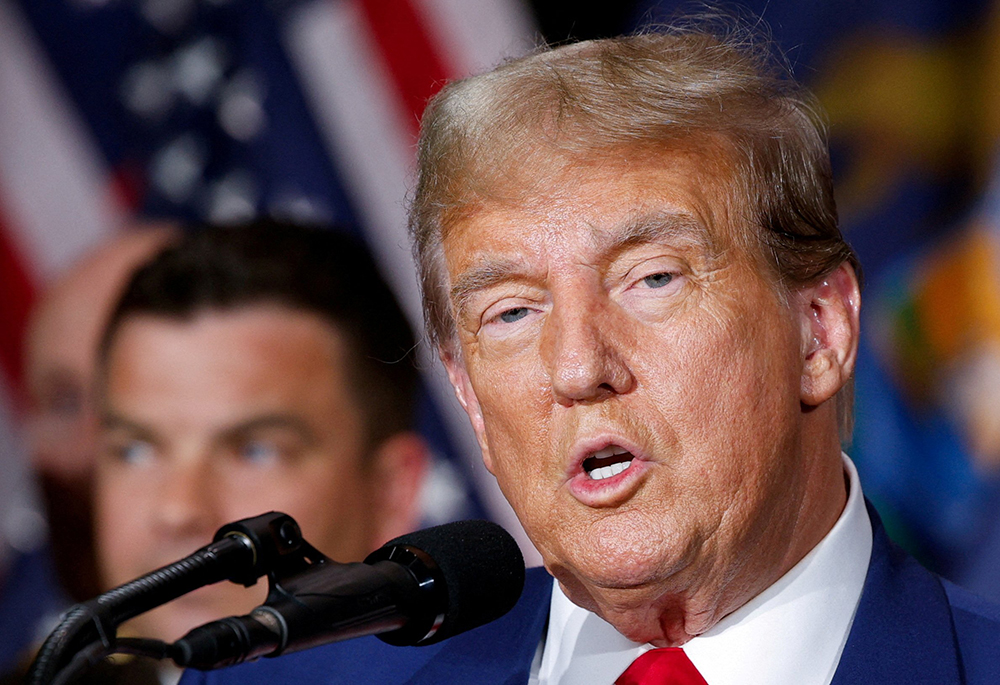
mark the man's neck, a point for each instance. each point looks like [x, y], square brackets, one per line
[691, 601]
[815, 601]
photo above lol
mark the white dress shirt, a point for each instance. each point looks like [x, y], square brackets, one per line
[792, 633]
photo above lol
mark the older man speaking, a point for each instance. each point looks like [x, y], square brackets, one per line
[633, 271]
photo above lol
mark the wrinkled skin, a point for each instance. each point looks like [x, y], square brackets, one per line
[619, 306]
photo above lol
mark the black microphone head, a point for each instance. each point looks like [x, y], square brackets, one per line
[480, 566]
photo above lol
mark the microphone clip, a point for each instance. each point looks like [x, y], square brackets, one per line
[240, 552]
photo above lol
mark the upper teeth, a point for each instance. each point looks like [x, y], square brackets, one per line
[608, 471]
[609, 451]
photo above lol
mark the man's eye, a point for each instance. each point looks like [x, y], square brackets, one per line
[512, 315]
[134, 453]
[260, 452]
[658, 280]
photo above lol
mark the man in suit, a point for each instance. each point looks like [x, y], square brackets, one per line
[245, 369]
[633, 272]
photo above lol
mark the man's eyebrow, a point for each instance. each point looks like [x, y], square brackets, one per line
[656, 227]
[489, 272]
[270, 421]
[646, 228]
[112, 420]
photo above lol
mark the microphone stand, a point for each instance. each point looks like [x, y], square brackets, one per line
[241, 552]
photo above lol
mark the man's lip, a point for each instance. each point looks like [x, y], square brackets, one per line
[611, 491]
[585, 448]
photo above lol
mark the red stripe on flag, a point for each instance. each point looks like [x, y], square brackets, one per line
[415, 66]
[17, 294]
[128, 186]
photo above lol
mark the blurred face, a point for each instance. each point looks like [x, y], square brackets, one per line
[634, 380]
[60, 359]
[214, 419]
[61, 351]
[62, 424]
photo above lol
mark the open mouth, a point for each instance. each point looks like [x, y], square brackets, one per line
[607, 462]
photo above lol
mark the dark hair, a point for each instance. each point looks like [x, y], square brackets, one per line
[313, 269]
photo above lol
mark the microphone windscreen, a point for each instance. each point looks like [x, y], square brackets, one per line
[482, 568]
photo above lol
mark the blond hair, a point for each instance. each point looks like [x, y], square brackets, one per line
[651, 90]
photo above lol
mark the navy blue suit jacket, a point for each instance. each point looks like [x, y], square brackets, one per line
[911, 627]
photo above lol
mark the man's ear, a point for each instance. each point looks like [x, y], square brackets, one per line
[400, 463]
[459, 377]
[830, 328]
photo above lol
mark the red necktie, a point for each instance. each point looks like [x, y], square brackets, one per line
[666, 666]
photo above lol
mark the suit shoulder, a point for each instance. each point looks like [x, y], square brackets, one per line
[537, 577]
[365, 659]
[977, 632]
[971, 607]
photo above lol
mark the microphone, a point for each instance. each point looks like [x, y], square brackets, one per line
[418, 589]
[241, 552]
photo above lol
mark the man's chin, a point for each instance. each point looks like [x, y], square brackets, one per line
[627, 569]
[639, 609]
[593, 585]
[627, 548]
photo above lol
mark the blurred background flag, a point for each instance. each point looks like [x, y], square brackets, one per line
[220, 110]
[57, 199]
[308, 109]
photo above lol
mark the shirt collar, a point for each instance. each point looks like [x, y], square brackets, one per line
[792, 632]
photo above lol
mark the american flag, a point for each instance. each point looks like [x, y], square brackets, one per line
[221, 109]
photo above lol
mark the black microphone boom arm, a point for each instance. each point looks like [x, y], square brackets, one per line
[241, 552]
[417, 589]
[328, 602]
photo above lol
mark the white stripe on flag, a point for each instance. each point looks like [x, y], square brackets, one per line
[476, 36]
[363, 125]
[369, 138]
[55, 187]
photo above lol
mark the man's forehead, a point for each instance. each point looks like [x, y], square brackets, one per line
[504, 231]
[625, 197]
[251, 319]
[223, 369]
[221, 342]
[676, 228]
[549, 180]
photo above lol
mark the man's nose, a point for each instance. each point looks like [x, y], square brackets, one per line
[583, 352]
[186, 506]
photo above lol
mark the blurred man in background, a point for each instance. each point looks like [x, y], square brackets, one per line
[60, 361]
[60, 369]
[251, 369]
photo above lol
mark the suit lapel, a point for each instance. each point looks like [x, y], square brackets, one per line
[902, 632]
[500, 652]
